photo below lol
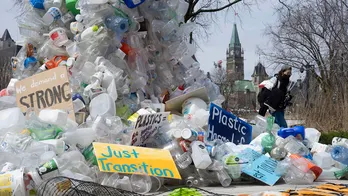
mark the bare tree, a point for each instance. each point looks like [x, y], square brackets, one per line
[312, 36]
[220, 77]
[204, 12]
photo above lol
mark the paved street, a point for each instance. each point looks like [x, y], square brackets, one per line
[256, 188]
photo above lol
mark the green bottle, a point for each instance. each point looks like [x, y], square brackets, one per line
[268, 140]
[71, 6]
[45, 134]
[89, 155]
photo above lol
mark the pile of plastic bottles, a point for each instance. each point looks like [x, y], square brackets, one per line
[124, 59]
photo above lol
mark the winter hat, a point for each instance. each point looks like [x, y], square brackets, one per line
[286, 67]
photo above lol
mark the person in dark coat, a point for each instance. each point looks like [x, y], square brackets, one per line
[277, 98]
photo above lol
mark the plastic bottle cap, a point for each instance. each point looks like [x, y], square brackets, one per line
[181, 87]
[79, 17]
[177, 133]
[316, 170]
[95, 28]
[186, 133]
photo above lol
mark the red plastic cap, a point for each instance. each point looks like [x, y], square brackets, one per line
[125, 48]
[181, 87]
[316, 170]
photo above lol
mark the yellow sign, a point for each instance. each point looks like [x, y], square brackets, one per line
[130, 159]
[49, 89]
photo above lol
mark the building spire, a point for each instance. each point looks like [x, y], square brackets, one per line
[235, 37]
[6, 36]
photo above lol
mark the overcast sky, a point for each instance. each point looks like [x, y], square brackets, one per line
[251, 25]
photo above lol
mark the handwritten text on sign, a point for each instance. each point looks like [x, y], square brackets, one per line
[147, 126]
[130, 159]
[227, 127]
[49, 89]
[262, 167]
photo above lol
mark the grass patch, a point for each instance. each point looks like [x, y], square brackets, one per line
[326, 137]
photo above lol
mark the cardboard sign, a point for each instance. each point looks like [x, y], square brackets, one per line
[130, 159]
[49, 89]
[227, 127]
[262, 167]
[147, 126]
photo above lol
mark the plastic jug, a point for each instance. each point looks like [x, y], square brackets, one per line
[312, 135]
[108, 107]
[200, 155]
[54, 117]
[12, 120]
[191, 105]
[83, 136]
[297, 131]
[323, 160]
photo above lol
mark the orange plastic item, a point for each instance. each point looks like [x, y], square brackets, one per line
[53, 63]
[30, 50]
[315, 169]
[125, 48]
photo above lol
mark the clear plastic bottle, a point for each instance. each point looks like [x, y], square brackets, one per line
[83, 136]
[232, 165]
[52, 168]
[224, 178]
[183, 160]
[268, 140]
[17, 143]
[340, 154]
[294, 146]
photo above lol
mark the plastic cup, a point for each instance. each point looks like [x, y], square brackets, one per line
[141, 183]
[58, 37]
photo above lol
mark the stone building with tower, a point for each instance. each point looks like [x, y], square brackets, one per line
[8, 49]
[244, 96]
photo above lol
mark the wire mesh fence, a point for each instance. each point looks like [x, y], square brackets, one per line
[62, 186]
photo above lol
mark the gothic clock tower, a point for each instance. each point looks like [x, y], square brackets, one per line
[235, 57]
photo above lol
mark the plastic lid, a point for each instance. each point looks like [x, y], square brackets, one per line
[177, 133]
[79, 17]
[186, 133]
[70, 62]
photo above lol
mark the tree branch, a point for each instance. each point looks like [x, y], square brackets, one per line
[195, 14]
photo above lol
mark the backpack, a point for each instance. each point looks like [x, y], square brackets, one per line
[263, 95]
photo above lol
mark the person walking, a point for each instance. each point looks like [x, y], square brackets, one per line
[278, 97]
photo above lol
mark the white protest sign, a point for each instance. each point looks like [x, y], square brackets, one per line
[147, 126]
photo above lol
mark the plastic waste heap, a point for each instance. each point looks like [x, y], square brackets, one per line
[125, 59]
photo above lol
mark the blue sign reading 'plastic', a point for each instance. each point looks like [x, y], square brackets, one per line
[227, 127]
